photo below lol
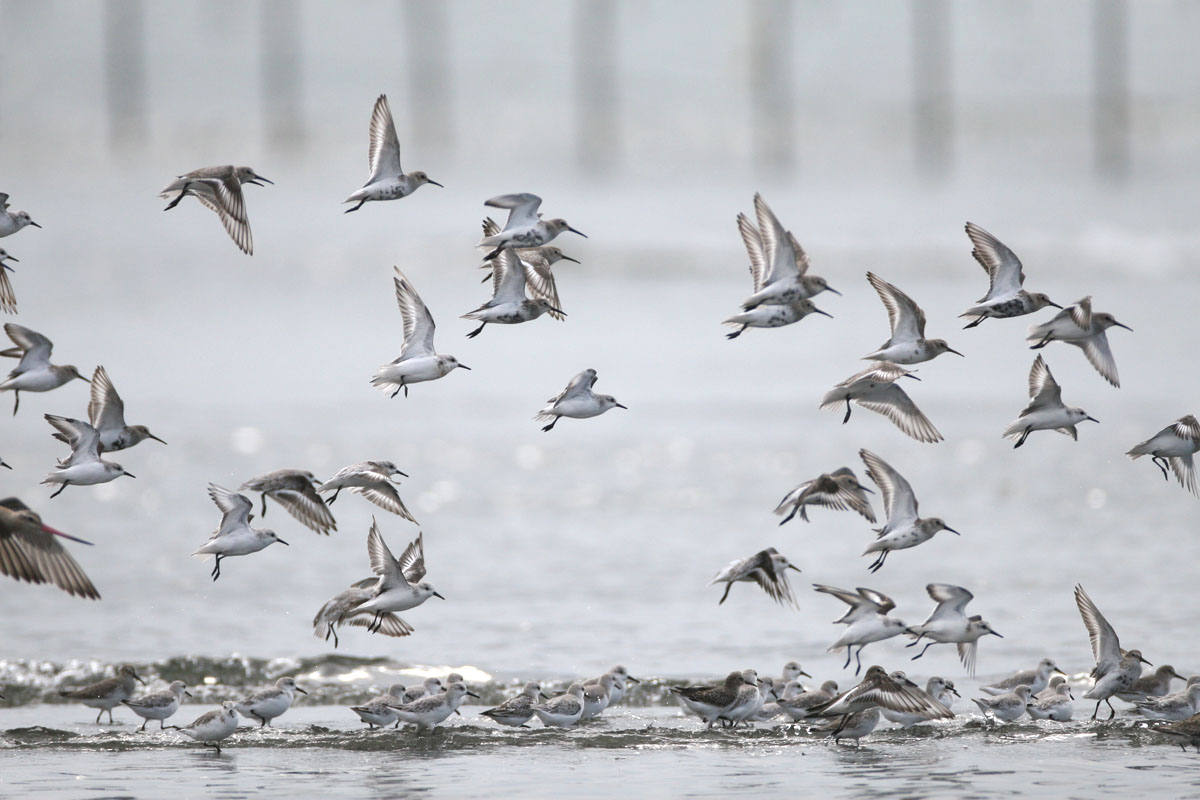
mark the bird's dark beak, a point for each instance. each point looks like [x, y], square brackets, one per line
[14, 258]
[793, 566]
[301, 691]
[1051, 302]
[956, 533]
[993, 633]
[819, 311]
[564, 258]
[631, 678]
[1118, 324]
[405, 474]
[189, 694]
[1059, 671]
[255, 180]
[138, 678]
[839, 294]
[281, 541]
[1093, 419]
[543, 695]
[48, 529]
[557, 310]
[464, 366]
[34, 224]
[952, 350]
[438, 596]
[88, 380]
[130, 475]
[469, 692]
[866, 489]
[618, 405]
[435, 183]
[805, 674]
[954, 692]
[1144, 661]
[155, 438]
[581, 233]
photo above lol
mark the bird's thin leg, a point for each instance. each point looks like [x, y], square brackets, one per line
[1024, 436]
[486, 278]
[477, 331]
[788, 518]
[849, 654]
[264, 505]
[493, 254]
[144, 724]
[736, 333]
[398, 388]
[923, 649]
[329, 502]
[216, 573]
[846, 418]
[111, 722]
[551, 425]
[1161, 463]
[406, 390]
[98, 716]
[60, 489]
[357, 207]
[858, 658]
[1097, 709]
[1045, 341]
[162, 725]
[915, 641]
[180, 196]
[728, 586]
[16, 401]
[1112, 711]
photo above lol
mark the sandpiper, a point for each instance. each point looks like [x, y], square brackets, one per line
[83, 467]
[234, 537]
[767, 568]
[562, 711]
[427, 712]
[106, 412]
[577, 401]
[12, 221]
[1187, 730]
[1007, 707]
[538, 263]
[377, 710]
[214, 726]
[387, 181]
[1046, 410]
[267, 704]
[516, 711]
[1174, 446]
[778, 264]
[1057, 705]
[159, 705]
[1005, 297]
[1177, 706]
[940, 689]
[524, 226]
[418, 361]
[34, 372]
[8, 297]
[949, 623]
[374, 481]
[709, 702]
[907, 344]
[219, 189]
[1156, 684]
[1036, 679]
[878, 689]
[866, 620]
[340, 610]
[428, 687]
[839, 490]
[875, 389]
[30, 552]
[509, 304]
[106, 694]
[798, 706]
[1050, 690]
[1116, 669]
[903, 529]
[400, 587]
[296, 491]
[1077, 324]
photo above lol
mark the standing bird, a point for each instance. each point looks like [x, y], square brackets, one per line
[427, 712]
[866, 620]
[1057, 705]
[267, 704]
[399, 587]
[767, 569]
[108, 693]
[106, 412]
[1036, 679]
[1078, 325]
[219, 189]
[539, 278]
[1116, 670]
[509, 304]
[234, 537]
[12, 221]
[778, 264]
[839, 490]
[8, 298]
[1177, 706]
[34, 372]
[1157, 684]
[903, 529]
[388, 181]
[524, 226]
[949, 623]
[418, 361]
[83, 467]
[516, 711]
[214, 726]
[29, 551]
[875, 389]
[296, 491]
[562, 711]
[377, 710]
[339, 610]
[709, 702]
[372, 480]
[1045, 410]
[577, 401]
[1185, 732]
[1174, 446]
[159, 705]
[1008, 707]
[907, 344]
[1005, 297]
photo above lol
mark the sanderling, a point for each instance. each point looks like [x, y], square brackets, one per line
[746, 701]
[108, 693]
[597, 694]
[1036, 679]
[378, 711]
[866, 620]
[767, 568]
[106, 412]
[295, 490]
[1005, 297]
[1157, 684]
[427, 712]
[430, 686]
[83, 467]
[1188, 730]
[1007, 707]
[562, 711]
[1177, 706]
[267, 704]
[387, 181]
[878, 689]
[159, 705]
[907, 344]
[797, 706]
[1077, 324]
[214, 726]
[949, 623]
[34, 372]
[839, 490]
[1046, 410]
[778, 264]
[340, 610]
[875, 389]
[1116, 670]
[903, 529]
[8, 298]
[516, 711]
[709, 702]
[234, 537]
[219, 189]
[1056, 706]
[577, 401]
[620, 686]
[30, 552]
[539, 277]
[1174, 445]
[509, 304]
[792, 672]
[939, 689]
[372, 480]
[12, 221]
[524, 226]
[398, 588]
[418, 361]
[1050, 690]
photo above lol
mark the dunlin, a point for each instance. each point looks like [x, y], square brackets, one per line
[907, 344]
[1005, 297]
[387, 181]
[903, 529]
[1116, 669]
[950, 623]
[219, 189]
[1077, 324]
[1174, 446]
[875, 389]
[524, 226]
[767, 568]
[34, 372]
[1046, 411]
[296, 491]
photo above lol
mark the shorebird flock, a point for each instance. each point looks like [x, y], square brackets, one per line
[521, 260]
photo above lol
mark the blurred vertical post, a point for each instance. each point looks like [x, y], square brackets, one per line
[1110, 88]
[771, 89]
[125, 73]
[595, 52]
[933, 100]
[428, 72]
[280, 69]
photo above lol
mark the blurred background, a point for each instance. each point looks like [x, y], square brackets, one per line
[875, 131]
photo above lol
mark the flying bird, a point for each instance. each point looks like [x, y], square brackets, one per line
[1005, 297]
[907, 344]
[875, 389]
[296, 491]
[1046, 410]
[767, 568]
[903, 529]
[388, 181]
[34, 372]
[234, 537]
[219, 189]
[30, 552]
[838, 490]
[524, 226]
[1077, 324]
